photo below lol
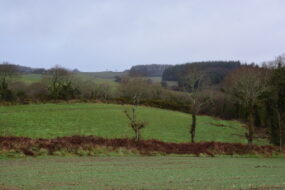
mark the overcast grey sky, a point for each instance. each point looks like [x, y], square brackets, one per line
[96, 35]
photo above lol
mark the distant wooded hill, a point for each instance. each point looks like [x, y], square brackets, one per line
[30, 70]
[215, 70]
[153, 70]
[26, 70]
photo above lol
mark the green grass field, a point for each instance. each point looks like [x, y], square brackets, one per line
[108, 120]
[124, 169]
[29, 78]
[142, 173]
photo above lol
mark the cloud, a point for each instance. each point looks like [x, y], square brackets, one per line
[98, 35]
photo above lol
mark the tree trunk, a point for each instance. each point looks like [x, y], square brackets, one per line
[193, 127]
[280, 130]
[137, 135]
[250, 128]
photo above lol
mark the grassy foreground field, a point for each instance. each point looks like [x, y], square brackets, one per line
[142, 173]
[107, 120]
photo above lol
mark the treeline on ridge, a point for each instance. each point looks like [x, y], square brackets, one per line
[153, 70]
[216, 71]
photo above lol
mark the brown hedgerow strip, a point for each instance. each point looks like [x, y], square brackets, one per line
[72, 144]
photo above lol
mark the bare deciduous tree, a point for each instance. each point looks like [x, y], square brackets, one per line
[135, 124]
[246, 85]
[197, 100]
[194, 80]
[104, 91]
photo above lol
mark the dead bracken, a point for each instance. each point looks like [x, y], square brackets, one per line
[72, 144]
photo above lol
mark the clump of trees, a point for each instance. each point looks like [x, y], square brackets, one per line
[274, 102]
[60, 84]
[246, 86]
[130, 87]
[7, 72]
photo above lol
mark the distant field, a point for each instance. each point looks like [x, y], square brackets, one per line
[176, 173]
[107, 120]
[155, 79]
[30, 78]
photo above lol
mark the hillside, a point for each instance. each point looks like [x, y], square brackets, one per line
[97, 77]
[107, 120]
[30, 75]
